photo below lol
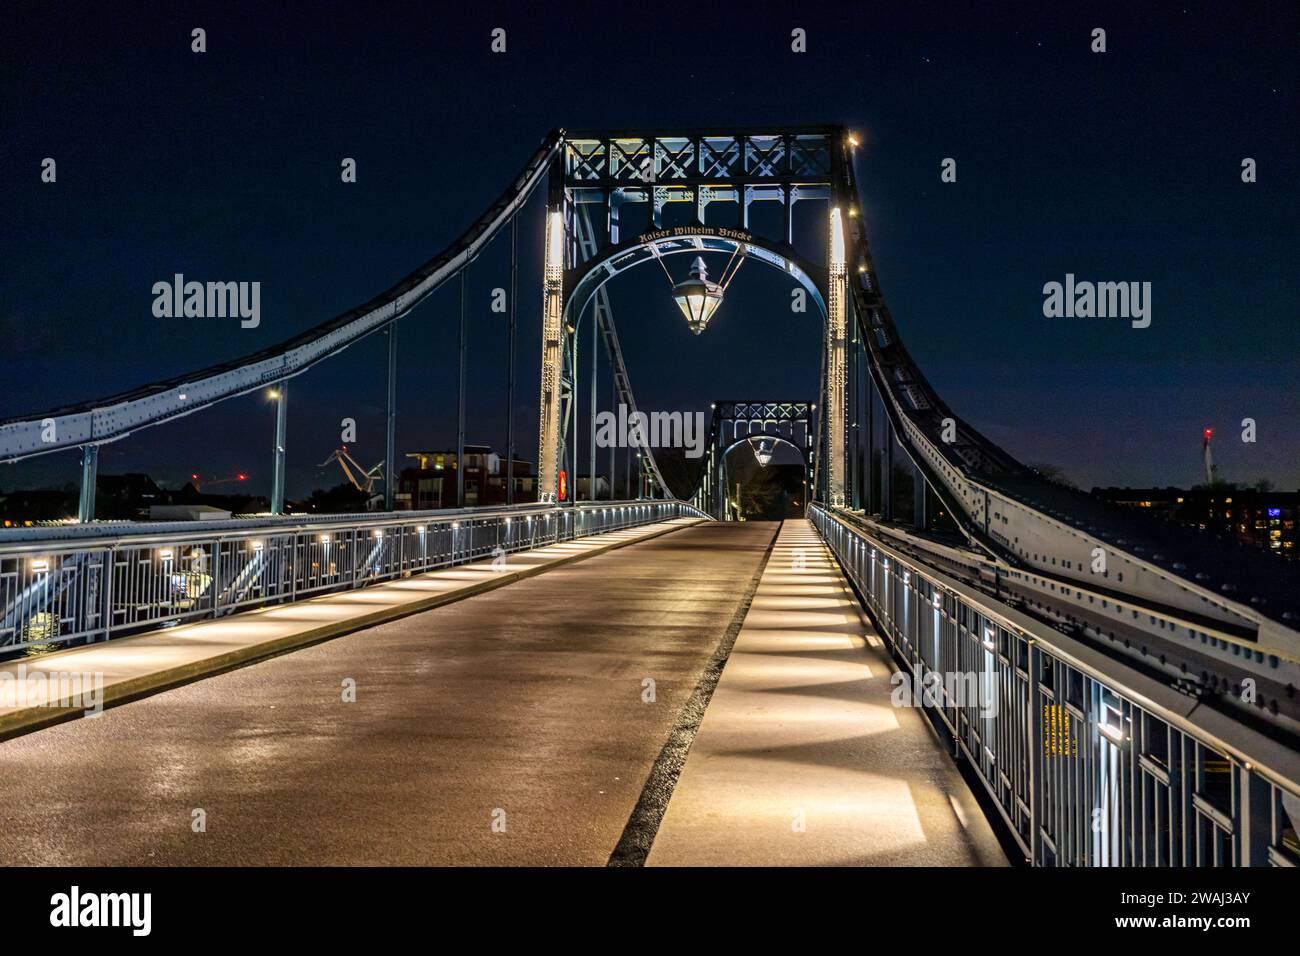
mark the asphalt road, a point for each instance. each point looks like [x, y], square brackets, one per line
[521, 708]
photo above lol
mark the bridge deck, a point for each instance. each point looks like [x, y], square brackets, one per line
[527, 699]
[801, 758]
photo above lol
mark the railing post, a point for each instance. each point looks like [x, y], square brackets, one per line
[1035, 754]
[1254, 820]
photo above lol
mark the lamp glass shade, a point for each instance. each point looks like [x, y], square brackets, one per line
[697, 297]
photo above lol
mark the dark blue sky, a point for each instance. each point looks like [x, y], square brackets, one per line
[225, 165]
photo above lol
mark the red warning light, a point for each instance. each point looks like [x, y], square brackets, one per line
[242, 477]
[1207, 433]
[564, 485]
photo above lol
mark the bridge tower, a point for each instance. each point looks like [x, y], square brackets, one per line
[601, 181]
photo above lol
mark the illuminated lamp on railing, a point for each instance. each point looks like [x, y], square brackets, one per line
[164, 554]
[507, 521]
[1112, 734]
[420, 528]
[937, 599]
[40, 564]
[455, 525]
[378, 532]
[1111, 724]
[324, 539]
[989, 641]
[256, 545]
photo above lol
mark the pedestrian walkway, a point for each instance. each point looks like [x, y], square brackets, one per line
[131, 667]
[801, 758]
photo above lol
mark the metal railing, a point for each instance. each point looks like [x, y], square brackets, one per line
[1088, 762]
[80, 583]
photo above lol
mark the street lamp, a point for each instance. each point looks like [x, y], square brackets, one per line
[763, 453]
[697, 297]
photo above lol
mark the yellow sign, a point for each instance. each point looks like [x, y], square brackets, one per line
[1058, 738]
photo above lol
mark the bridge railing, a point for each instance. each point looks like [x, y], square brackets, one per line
[1086, 769]
[74, 584]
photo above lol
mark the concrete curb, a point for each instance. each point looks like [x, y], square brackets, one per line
[29, 719]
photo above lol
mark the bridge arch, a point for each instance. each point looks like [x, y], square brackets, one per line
[582, 282]
[570, 286]
[759, 436]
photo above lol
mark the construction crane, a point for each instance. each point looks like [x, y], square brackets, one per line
[360, 479]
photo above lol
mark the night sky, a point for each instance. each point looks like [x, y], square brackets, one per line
[225, 166]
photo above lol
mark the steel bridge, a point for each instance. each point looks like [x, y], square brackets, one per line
[1148, 676]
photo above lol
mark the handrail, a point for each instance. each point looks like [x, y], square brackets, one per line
[1045, 672]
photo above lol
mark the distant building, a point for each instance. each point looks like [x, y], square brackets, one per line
[23, 507]
[128, 496]
[1265, 519]
[431, 482]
